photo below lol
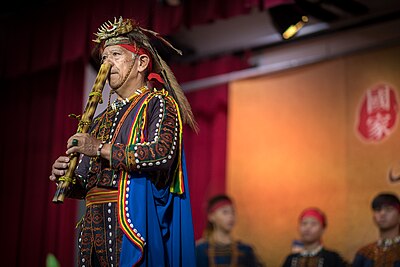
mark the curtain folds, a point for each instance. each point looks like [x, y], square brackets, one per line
[46, 36]
[34, 136]
[206, 151]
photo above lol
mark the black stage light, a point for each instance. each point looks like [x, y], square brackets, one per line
[288, 19]
[317, 10]
[173, 3]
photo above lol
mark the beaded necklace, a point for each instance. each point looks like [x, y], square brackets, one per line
[306, 255]
[385, 243]
[113, 110]
[311, 253]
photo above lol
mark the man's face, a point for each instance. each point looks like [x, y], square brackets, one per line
[386, 217]
[223, 218]
[310, 229]
[121, 60]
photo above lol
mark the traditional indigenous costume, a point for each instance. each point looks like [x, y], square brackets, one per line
[213, 254]
[384, 253]
[138, 209]
[319, 257]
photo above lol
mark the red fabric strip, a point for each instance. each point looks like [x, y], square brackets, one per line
[313, 212]
[219, 204]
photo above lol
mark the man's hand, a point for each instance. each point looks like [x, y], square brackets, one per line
[83, 143]
[59, 168]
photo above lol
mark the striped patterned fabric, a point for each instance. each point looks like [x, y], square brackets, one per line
[98, 195]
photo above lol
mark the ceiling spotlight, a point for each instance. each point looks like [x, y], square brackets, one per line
[173, 3]
[318, 10]
[288, 19]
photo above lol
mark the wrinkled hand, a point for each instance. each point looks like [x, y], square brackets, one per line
[87, 144]
[59, 168]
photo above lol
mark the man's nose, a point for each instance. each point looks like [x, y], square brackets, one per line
[110, 61]
[382, 212]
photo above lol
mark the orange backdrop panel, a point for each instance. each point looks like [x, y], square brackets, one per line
[292, 143]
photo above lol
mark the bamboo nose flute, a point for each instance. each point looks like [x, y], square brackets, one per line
[83, 127]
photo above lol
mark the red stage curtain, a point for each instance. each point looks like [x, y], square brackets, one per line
[63, 217]
[206, 151]
[62, 31]
[33, 135]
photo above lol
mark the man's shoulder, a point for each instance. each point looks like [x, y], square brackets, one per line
[334, 256]
[157, 97]
[244, 246]
[163, 93]
[201, 243]
[330, 252]
[367, 250]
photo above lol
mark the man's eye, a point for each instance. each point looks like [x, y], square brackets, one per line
[116, 54]
[103, 57]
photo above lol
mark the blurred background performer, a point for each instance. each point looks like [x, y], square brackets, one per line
[386, 251]
[218, 247]
[132, 173]
[312, 224]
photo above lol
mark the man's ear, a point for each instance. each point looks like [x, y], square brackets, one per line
[143, 62]
[210, 217]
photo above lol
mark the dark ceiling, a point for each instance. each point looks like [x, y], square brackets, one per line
[257, 30]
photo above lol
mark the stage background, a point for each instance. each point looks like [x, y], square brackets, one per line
[42, 78]
[293, 143]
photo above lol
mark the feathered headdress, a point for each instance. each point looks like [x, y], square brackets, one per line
[128, 31]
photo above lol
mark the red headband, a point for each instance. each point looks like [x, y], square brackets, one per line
[313, 212]
[141, 51]
[219, 204]
[397, 206]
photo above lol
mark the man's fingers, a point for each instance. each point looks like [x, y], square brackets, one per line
[60, 165]
[72, 142]
[59, 168]
[71, 150]
[56, 172]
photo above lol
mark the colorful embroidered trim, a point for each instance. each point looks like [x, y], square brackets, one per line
[123, 214]
[123, 209]
[177, 185]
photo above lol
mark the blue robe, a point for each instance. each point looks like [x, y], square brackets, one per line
[165, 223]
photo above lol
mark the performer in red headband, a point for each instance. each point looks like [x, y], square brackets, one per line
[312, 225]
[132, 172]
